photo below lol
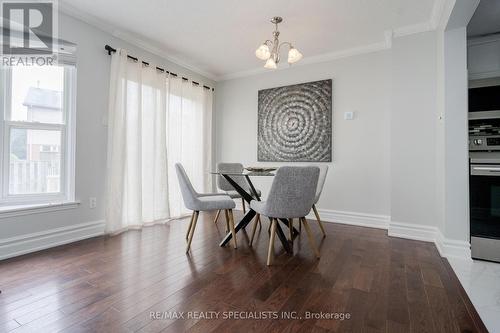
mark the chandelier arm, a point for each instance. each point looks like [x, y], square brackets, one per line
[285, 43]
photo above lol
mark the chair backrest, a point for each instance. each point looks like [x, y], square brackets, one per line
[189, 195]
[323, 171]
[222, 182]
[292, 192]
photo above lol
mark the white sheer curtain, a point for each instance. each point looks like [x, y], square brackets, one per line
[154, 121]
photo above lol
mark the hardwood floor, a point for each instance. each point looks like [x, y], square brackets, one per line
[119, 284]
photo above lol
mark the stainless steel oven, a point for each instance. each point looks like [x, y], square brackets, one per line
[485, 205]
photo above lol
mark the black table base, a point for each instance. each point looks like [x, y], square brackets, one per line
[251, 214]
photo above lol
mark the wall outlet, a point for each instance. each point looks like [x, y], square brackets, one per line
[92, 202]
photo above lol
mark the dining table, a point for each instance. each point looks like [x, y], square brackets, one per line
[250, 214]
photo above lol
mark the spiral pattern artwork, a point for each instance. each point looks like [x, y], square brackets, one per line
[295, 123]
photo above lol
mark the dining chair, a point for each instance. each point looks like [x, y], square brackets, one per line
[198, 202]
[323, 170]
[228, 189]
[291, 196]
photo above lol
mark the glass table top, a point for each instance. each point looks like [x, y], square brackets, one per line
[245, 173]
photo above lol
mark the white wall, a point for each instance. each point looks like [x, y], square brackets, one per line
[456, 159]
[413, 129]
[386, 163]
[359, 177]
[92, 100]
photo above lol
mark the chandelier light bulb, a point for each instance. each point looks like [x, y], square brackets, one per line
[263, 52]
[294, 55]
[270, 64]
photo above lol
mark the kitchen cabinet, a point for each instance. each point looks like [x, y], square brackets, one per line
[483, 57]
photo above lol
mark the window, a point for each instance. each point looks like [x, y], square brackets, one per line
[37, 139]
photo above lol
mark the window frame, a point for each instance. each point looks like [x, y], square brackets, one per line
[67, 129]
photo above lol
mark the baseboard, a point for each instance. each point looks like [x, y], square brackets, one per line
[412, 231]
[343, 217]
[352, 218]
[16, 246]
[451, 248]
[448, 248]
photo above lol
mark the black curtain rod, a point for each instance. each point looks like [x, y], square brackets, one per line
[112, 50]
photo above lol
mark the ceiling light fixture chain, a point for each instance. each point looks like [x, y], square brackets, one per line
[270, 50]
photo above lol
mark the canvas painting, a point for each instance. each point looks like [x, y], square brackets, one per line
[295, 123]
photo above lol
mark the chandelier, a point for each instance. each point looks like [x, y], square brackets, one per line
[270, 50]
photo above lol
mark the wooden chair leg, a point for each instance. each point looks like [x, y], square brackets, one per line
[310, 237]
[300, 226]
[290, 229]
[217, 216]
[191, 233]
[270, 251]
[243, 204]
[227, 220]
[190, 224]
[319, 220]
[231, 225]
[257, 221]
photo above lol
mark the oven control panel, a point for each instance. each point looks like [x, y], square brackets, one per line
[483, 143]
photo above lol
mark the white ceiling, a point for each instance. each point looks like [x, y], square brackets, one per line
[486, 19]
[219, 37]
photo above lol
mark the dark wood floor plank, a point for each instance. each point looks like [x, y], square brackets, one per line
[418, 304]
[114, 284]
[397, 307]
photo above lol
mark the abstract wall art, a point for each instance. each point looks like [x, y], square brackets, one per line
[295, 123]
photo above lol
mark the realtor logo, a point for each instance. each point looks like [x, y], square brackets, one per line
[28, 27]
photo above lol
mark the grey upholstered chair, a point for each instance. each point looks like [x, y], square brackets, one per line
[225, 186]
[203, 202]
[323, 171]
[291, 196]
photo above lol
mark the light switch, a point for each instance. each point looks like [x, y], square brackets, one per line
[349, 115]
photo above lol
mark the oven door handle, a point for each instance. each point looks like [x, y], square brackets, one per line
[477, 170]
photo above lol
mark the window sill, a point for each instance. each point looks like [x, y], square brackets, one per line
[28, 209]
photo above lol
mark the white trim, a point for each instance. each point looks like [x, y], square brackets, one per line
[37, 241]
[437, 12]
[413, 29]
[447, 247]
[20, 210]
[453, 248]
[352, 218]
[412, 231]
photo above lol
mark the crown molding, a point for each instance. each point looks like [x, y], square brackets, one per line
[325, 57]
[439, 10]
[413, 29]
[161, 53]
[129, 38]
[87, 18]
[432, 24]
